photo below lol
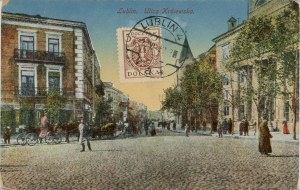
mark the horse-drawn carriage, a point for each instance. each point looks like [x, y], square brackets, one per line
[31, 135]
[109, 130]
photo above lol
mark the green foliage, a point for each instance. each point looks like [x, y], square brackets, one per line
[200, 89]
[55, 103]
[103, 111]
[8, 118]
[27, 115]
[270, 46]
[173, 100]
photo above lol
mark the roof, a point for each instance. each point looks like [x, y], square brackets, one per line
[232, 19]
[38, 19]
[228, 33]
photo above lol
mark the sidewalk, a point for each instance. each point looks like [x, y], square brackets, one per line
[277, 136]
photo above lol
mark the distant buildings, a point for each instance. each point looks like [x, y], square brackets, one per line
[121, 106]
[41, 55]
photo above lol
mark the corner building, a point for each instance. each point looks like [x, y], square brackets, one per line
[42, 54]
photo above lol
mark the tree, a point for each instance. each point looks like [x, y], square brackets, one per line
[172, 101]
[55, 103]
[268, 48]
[103, 111]
[285, 47]
[251, 54]
[198, 93]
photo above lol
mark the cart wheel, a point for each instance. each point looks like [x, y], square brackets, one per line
[21, 139]
[49, 138]
[31, 139]
[57, 139]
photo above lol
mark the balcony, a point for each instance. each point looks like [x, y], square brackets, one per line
[39, 56]
[33, 92]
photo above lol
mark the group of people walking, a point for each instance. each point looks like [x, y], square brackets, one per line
[244, 127]
[224, 127]
[152, 128]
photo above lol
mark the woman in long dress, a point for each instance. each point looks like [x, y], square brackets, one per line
[285, 128]
[264, 138]
[44, 127]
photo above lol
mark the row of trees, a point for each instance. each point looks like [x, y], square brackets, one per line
[198, 93]
[268, 48]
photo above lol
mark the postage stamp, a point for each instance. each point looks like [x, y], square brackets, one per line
[154, 48]
[138, 52]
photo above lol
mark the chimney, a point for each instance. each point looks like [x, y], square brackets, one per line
[232, 22]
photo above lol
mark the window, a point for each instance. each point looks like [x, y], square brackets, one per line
[27, 79]
[27, 39]
[27, 42]
[226, 80]
[226, 109]
[241, 77]
[226, 95]
[27, 83]
[225, 51]
[54, 44]
[54, 78]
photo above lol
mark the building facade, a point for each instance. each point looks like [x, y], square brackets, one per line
[44, 55]
[114, 97]
[234, 81]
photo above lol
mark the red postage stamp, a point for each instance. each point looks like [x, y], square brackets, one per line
[139, 54]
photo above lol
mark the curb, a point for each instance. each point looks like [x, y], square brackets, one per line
[256, 138]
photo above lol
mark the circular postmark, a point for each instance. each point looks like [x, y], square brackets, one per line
[156, 47]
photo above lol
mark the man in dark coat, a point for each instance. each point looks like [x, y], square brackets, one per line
[230, 129]
[246, 127]
[241, 127]
[264, 138]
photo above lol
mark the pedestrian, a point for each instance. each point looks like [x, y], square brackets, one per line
[241, 127]
[230, 126]
[187, 130]
[7, 135]
[264, 138]
[152, 129]
[44, 127]
[285, 128]
[174, 125]
[225, 126]
[220, 129]
[146, 128]
[83, 136]
[246, 127]
[204, 125]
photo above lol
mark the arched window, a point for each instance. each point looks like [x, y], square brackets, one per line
[226, 80]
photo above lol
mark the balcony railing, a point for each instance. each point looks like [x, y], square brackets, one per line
[41, 92]
[39, 56]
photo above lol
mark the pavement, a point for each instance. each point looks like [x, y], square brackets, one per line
[167, 161]
[277, 136]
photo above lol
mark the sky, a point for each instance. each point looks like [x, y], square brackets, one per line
[209, 20]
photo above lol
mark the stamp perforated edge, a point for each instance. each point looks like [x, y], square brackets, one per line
[121, 61]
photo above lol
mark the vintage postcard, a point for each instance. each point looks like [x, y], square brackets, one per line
[154, 94]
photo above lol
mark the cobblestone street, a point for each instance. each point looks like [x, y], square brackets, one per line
[161, 162]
